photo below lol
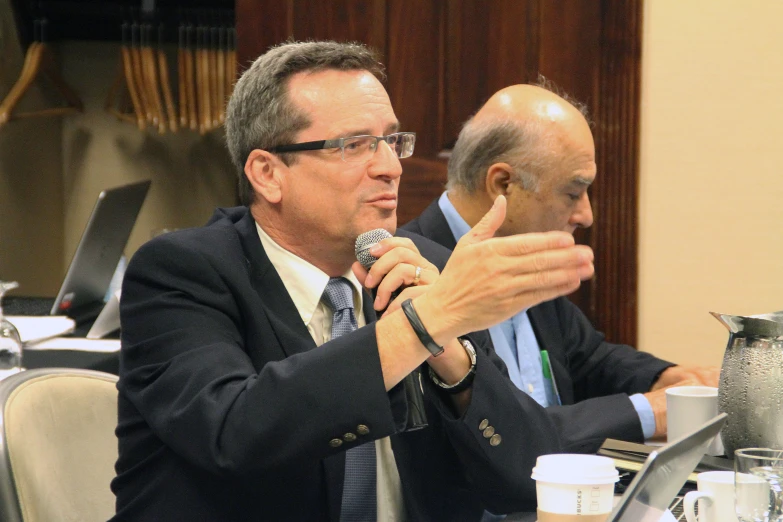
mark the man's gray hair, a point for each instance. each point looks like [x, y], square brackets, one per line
[260, 114]
[520, 143]
[482, 144]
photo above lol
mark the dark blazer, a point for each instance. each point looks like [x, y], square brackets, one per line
[594, 377]
[227, 409]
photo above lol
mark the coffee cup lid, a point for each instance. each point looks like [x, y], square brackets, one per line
[566, 468]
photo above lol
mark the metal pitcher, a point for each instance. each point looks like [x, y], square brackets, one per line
[751, 382]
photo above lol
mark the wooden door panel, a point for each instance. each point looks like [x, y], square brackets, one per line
[414, 66]
[570, 46]
[488, 46]
[347, 20]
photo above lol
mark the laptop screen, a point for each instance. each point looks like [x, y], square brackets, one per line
[663, 474]
[100, 248]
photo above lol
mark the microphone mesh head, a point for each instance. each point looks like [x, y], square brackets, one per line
[365, 241]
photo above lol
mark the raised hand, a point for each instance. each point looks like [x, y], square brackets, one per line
[489, 279]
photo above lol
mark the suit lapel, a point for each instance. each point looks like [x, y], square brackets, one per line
[434, 226]
[291, 332]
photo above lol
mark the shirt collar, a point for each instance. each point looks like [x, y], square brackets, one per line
[459, 227]
[305, 282]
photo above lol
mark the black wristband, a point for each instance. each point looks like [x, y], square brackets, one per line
[418, 327]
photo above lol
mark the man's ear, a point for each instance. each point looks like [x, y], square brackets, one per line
[499, 178]
[264, 172]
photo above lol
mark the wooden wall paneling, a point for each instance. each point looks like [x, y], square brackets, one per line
[414, 70]
[488, 47]
[446, 57]
[569, 45]
[344, 20]
[617, 147]
[261, 24]
[513, 33]
[466, 50]
[415, 82]
[423, 180]
[569, 55]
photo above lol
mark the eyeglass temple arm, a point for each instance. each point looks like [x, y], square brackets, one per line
[309, 145]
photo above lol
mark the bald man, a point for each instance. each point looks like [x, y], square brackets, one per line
[535, 148]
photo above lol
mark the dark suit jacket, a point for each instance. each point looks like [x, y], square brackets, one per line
[226, 409]
[594, 377]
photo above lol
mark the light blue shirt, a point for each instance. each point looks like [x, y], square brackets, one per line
[516, 343]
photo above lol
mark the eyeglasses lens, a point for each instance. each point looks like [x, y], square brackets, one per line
[363, 147]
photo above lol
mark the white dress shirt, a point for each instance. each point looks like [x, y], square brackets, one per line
[306, 284]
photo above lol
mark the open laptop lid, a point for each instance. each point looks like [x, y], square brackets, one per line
[98, 253]
[664, 472]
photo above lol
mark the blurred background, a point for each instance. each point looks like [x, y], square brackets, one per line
[686, 100]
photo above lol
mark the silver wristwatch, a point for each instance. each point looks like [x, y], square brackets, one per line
[467, 380]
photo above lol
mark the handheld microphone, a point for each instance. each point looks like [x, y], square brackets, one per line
[414, 391]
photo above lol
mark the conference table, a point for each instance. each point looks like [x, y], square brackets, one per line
[104, 362]
[74, 352]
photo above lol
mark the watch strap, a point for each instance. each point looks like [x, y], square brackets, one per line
[464, 383]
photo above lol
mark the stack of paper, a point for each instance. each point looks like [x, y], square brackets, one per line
[33, 330]
[78, 343]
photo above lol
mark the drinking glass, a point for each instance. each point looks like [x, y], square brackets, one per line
[10, 341]
[758, 484]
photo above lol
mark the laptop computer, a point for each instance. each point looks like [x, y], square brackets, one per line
[664, 472]
[81, 295]
[630, 456]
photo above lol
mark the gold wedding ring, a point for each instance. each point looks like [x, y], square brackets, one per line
[417, 276]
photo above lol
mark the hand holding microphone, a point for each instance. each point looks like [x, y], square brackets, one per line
[487, 280]
[393, 270]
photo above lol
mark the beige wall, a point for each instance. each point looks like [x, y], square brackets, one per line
[31, 206]
[191, 174]
[52, 171]
[711, 208]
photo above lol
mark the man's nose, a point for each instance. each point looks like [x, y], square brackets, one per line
[582, 216]
[385, 162]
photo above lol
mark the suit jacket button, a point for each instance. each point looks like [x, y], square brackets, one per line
[495, 439]
[349, 437]
[361, 429]
[335, 443]
[489, 432]
[483, 424]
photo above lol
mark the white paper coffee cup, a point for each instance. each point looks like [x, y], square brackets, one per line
[575, 484]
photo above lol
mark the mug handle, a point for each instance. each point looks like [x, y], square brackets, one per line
[690, 502]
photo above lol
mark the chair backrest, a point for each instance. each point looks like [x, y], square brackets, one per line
[57, 445]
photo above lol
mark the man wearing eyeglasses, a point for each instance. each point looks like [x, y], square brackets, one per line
[256, 380]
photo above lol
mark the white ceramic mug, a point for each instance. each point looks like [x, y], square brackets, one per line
[570, 486]
[688, 408]
[715, 497]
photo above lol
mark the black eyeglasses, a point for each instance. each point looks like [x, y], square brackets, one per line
[357, 149]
